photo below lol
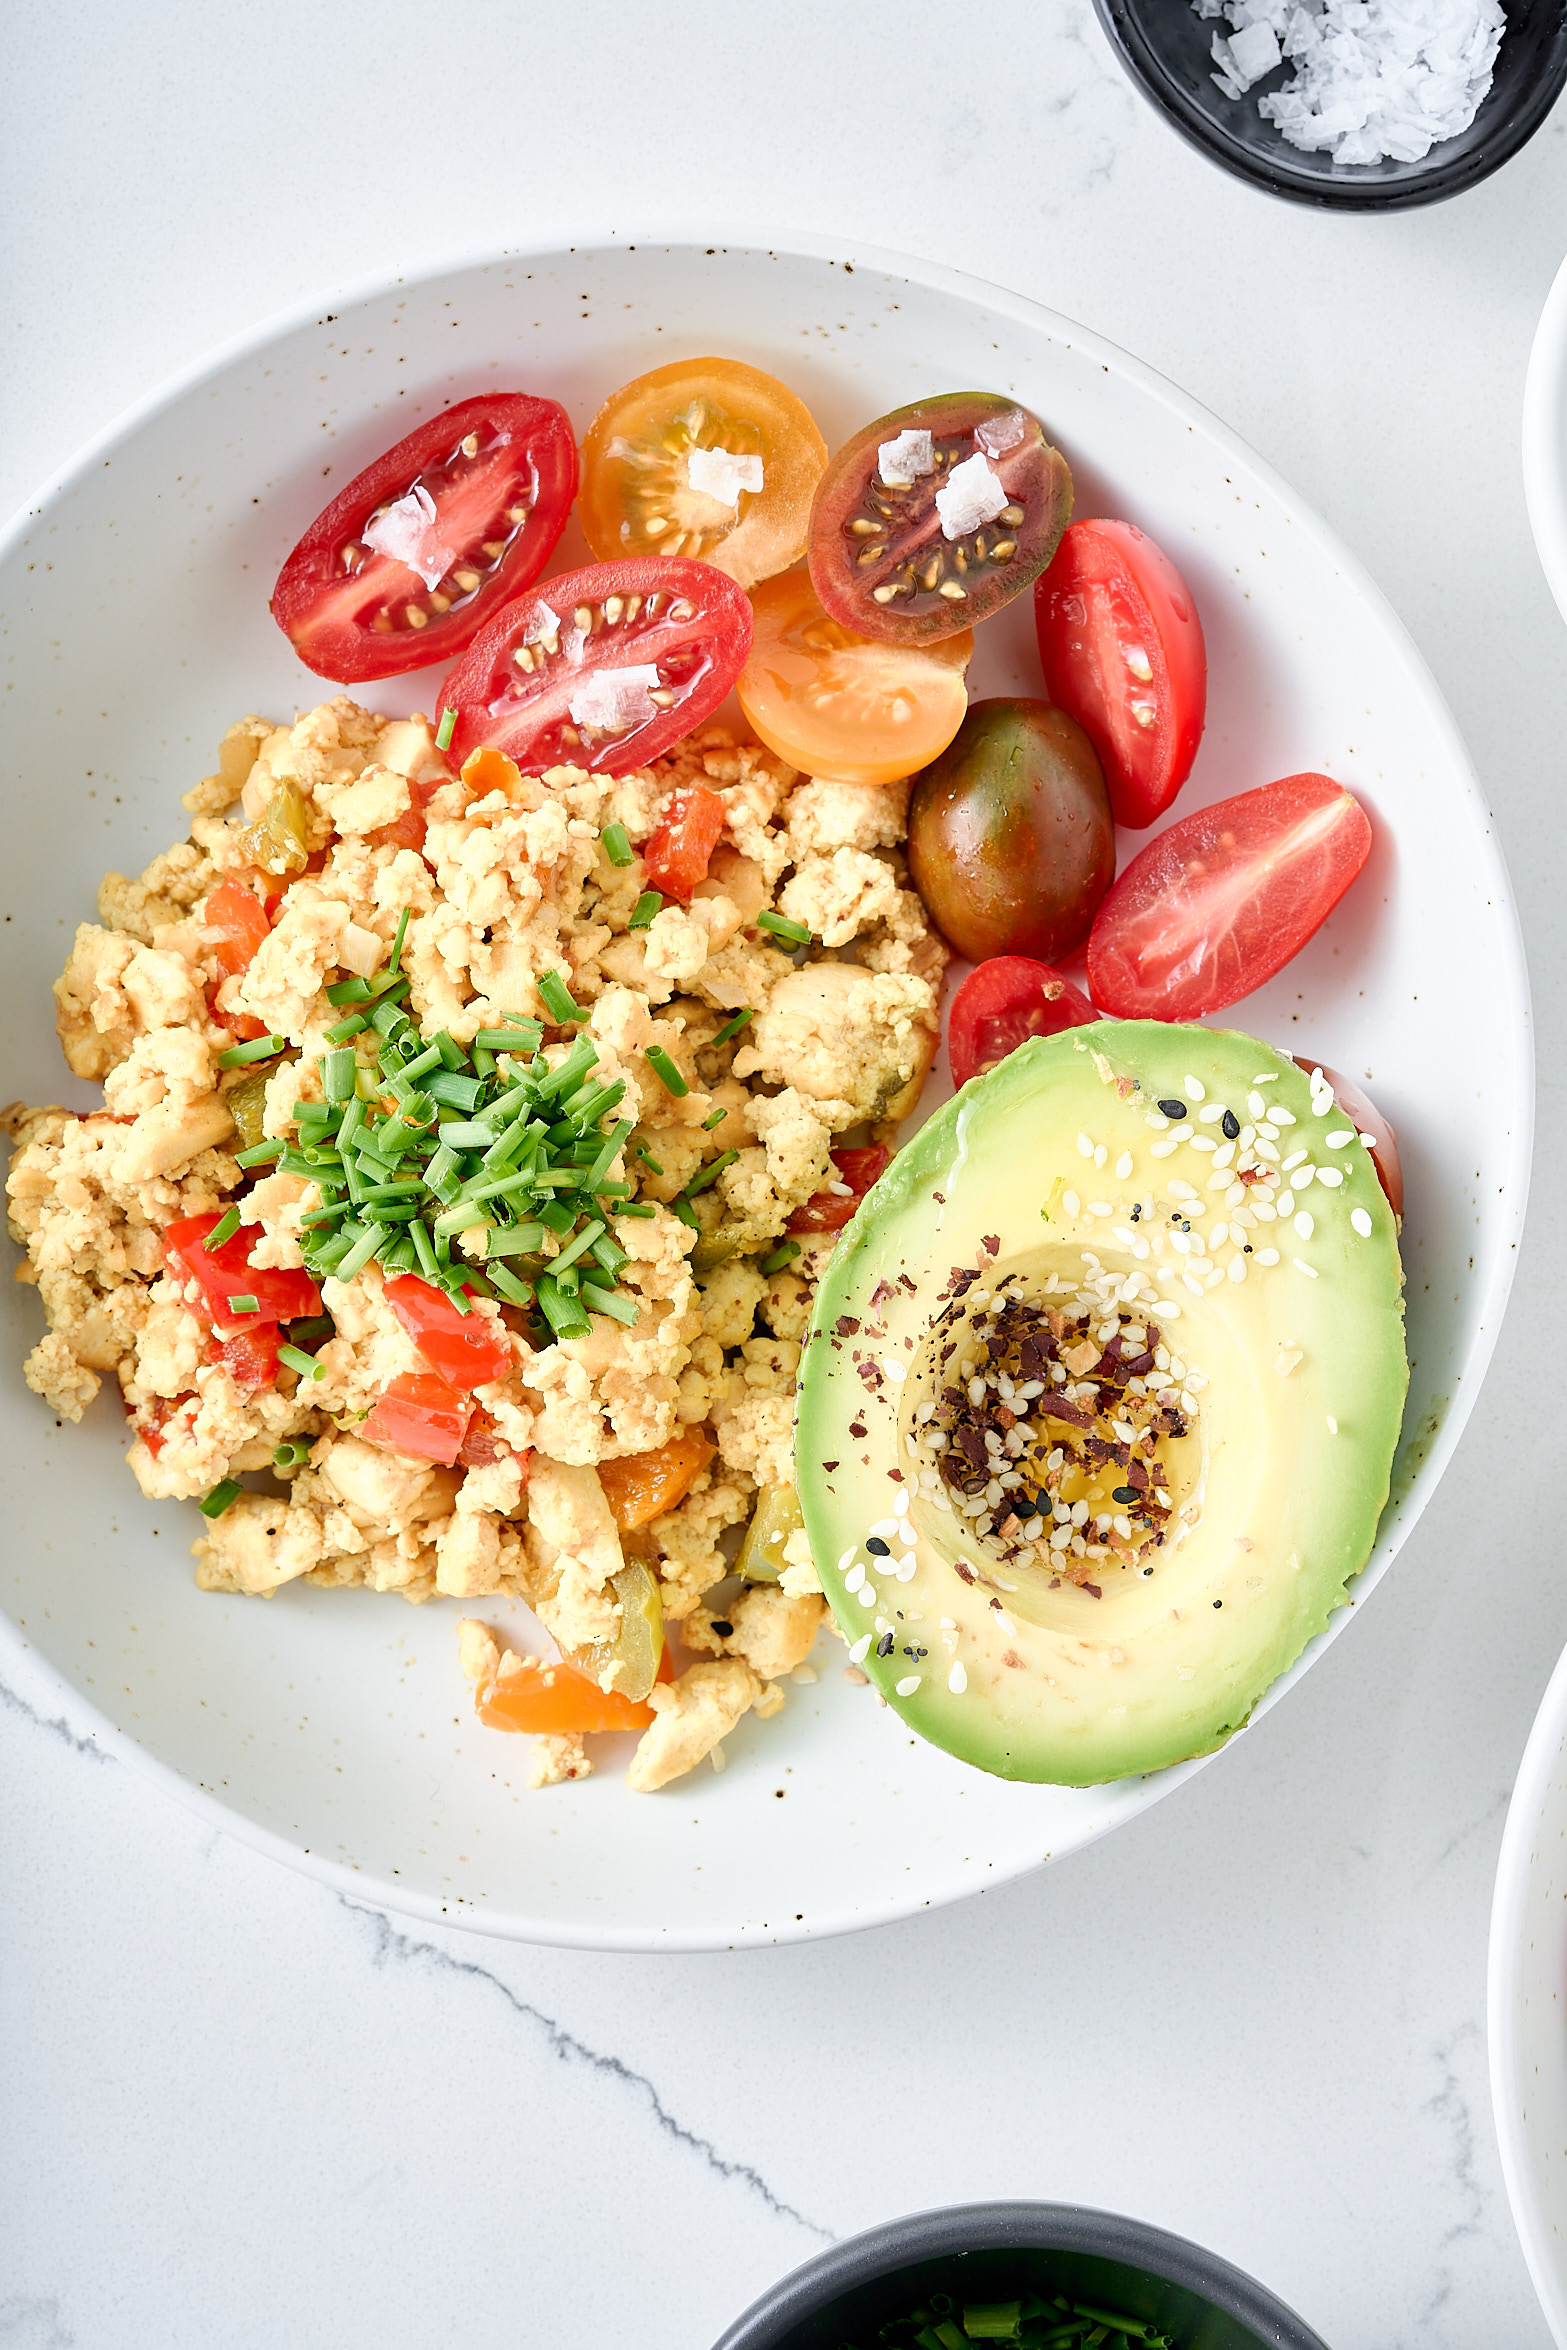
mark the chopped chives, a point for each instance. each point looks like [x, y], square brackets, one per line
[297, 1360]
[424, 1249]
[394, 961]
[664, 1068]
[219, 1499]
[636, 1207]
[292, 1453]
[461, 1218]
[555, 996]
[444, 732]
[613, 1302]
[564, 1314]
[360, 1253]
[429, 1059]
[450, 1050]
[451, 1091]
[608, 1254]
[344, 1029]
[577, 1247]
[246, 1303]
[525, 1036]
[733, 1027]
[795, 933]
[642, 913]
[617, 844]
[387, 1018]
[557, 1218]
[648, 1159]
[338, 1071]
[327, 1215]
[317, 1327]
[260, 1154]
[784, 1254]
[261, 1048]
[385, 1191]
[349, 991]
[716, 1119]
[510, 1285]
[389, 986]
[613, 1142]
[709, 1174]
[686, 1212]
[224, 1229]
[353, 1119]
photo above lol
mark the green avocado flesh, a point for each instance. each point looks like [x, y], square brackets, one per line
[1063, 1313]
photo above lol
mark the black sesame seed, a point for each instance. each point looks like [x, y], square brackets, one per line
[1124, 1494]
[884, 1645]
[1173, 1109]
[1137, 1211]
[1218, 1603]
[877, 1548]
[1229, 1126]
[721, 1628]
[1246, 1248]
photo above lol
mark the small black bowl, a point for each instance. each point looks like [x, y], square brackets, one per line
[1000, 2249]
[1165, 47]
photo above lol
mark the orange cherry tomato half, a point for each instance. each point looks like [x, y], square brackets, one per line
[708, 458]
[1224, 898]
[835, 704]
[556, 1701]
[644, 1485]
[1374, 1130]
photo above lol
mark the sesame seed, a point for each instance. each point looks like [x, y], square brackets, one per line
[877, 1549]
[907, 1686]
[1211, 1113]
[1100, 1154]
[1173, 1110]
[1100, 1207]
[1303, 1175]
[894, 1370]
[1072, 1204]
[867, 1595]
[1256, 1104]
[1332, 1176]
[1361, 1221]
[854, 1578]
[1305, 1225]
[1293, 1160]
[1267, 1256]
[900, 1505]
[1180, 1188]
[1301, 1266]
[1203, 1142]
[1123, 1165]
[860, 1649]
[1237, 1267]
[1339, 1137]
[1164, 1149]
[1196, 1091]
[1085, 1149]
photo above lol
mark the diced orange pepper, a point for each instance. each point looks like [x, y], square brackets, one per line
[486, 770]
[645, 1485]
[555, 1701]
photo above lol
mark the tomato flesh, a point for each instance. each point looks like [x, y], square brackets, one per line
[240, 921]
[602, 669]
[1222, 900]
[1374, 1130]
[554, 1700]
[250, 1358]
[1004, 1002]
[912, 560]
[466, 510]
[835, 704]
[829, 1211]
[643, 1486]
[654, 444]
[1122, 649]
[463, 1348]
[677, 856]
[281, 1295]
[421, 1414]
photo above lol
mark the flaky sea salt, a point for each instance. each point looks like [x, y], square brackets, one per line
[1374, 79]
[720, 474]
[971, 496]
[615, 698]
[406, 533]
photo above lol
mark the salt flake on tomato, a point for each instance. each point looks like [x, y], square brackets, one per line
[972, 495]
[405, 533]
[720, 474]
[615, 699]
[542, 626]
[906, 460]
[999, 433]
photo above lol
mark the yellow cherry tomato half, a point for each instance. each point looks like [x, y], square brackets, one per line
[835, 704]
[706, 458]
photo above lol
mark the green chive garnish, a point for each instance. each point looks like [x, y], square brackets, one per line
[261, 1154]
[663, 1067]
[297, 1360]
[733, 1027]
[338, 1071]
[349, 991]
[219, 1499]
[313, 1330]
[510, 1286]
[555, 996]
[642, 913]
[796, 933]
[524, 1037]
[292, 1453]
[443, 733]
[394, 961]
[564, 1314]
[344, 1029]
[617, 844]
[716, 1119]
[245, 1304]
[613, 1302]
[784, 1254]
[709, 1174]
[648, 1159]
[263, 1048]
[224, 1229]
[576, 1248]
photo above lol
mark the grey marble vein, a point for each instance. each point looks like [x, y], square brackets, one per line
[392, 1945]
[1450, 2106]
[27, 2323]
[60, 1728]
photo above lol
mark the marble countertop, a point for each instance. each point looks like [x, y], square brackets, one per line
[239, 2109]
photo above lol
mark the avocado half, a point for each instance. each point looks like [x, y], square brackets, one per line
[1100, 1401]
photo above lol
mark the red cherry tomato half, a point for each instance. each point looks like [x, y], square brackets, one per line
[484, 1443]
[679, 852]
[1221, 901]
[1374, 1130]
[420, 1414]
[250, 1358]
[240, 921]
[1002, 1004]
[464, 1348]
[421, 549]
[829, 1211]
[603, 668]
[225, 1272]
[1122, 651]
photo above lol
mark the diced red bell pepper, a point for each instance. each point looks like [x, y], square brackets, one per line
[221, 1273]
[678, 855]
[421, 1414]
[829, 1211]
[241, 921]
[464, 1348]
[250, 1357]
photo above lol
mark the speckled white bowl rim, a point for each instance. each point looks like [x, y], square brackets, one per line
[1426, 1451]
[1545, 438]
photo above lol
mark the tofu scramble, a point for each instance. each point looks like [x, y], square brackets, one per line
[358, 850]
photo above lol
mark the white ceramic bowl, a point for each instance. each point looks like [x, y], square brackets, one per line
[1545, 438]
[1527, 2002]
[332, 1728]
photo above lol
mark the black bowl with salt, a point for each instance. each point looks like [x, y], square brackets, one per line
[1166, 48]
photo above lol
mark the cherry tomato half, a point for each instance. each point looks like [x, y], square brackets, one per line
[1224, 898]
[1002, 1004]
[1010, 840]
[240, 921]
[421, 549]
[834, 704]
[603, 668]
[708, 458]
[1374, 1130]
[935, 516]
[463, 1348]
[676, 857]
[854, 1171]
[1122, 648]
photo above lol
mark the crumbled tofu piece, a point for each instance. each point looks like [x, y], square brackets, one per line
[693, 1713]
[557, 1760]
[773, 1630]
[478, 1650]
[53, 1372]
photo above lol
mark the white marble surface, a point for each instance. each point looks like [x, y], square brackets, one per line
[237, 2110]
